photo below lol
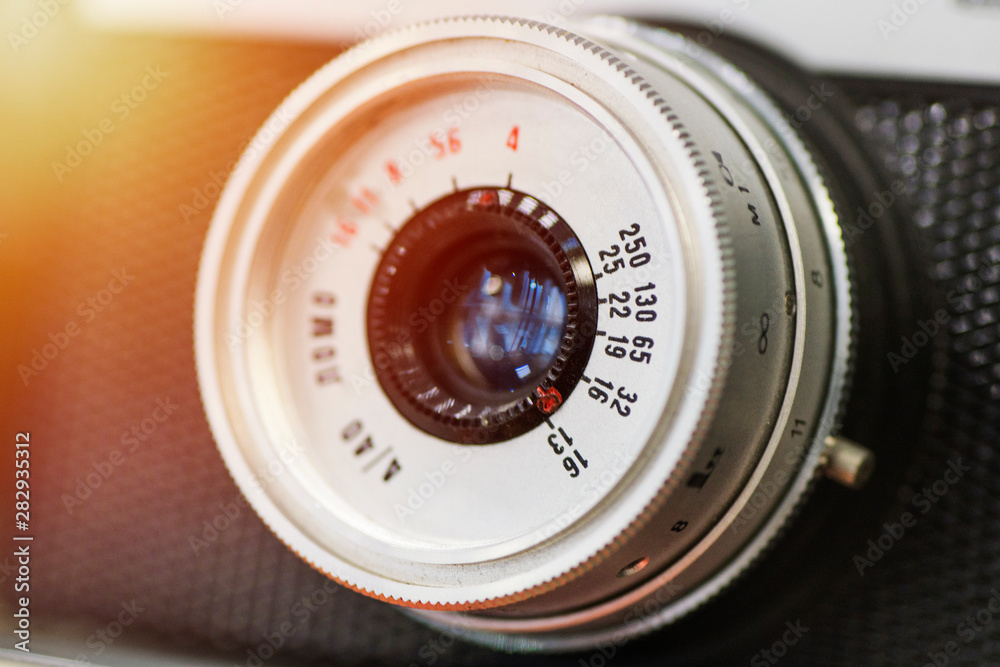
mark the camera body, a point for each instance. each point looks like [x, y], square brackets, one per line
[135, 512]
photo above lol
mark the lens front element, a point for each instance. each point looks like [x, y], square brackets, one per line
[518, 321]
[506, 334]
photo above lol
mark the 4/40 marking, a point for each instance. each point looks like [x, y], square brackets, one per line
[365, 447]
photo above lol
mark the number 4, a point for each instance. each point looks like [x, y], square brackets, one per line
[512, 139]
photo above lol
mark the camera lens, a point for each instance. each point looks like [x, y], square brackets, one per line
[475, 312]
[646, 332]
[504, 334]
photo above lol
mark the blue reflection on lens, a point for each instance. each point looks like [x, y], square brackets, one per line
[511, 326]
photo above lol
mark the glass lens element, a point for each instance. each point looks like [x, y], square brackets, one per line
[506, 332]
[483, 302]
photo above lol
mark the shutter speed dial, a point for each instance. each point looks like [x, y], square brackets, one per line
[545, 315]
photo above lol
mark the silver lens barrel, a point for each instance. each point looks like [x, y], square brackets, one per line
[713, 377]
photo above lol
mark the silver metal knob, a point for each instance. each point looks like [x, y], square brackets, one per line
[848, 463]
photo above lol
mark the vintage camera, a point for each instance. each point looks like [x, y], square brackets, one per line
[548, 330]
